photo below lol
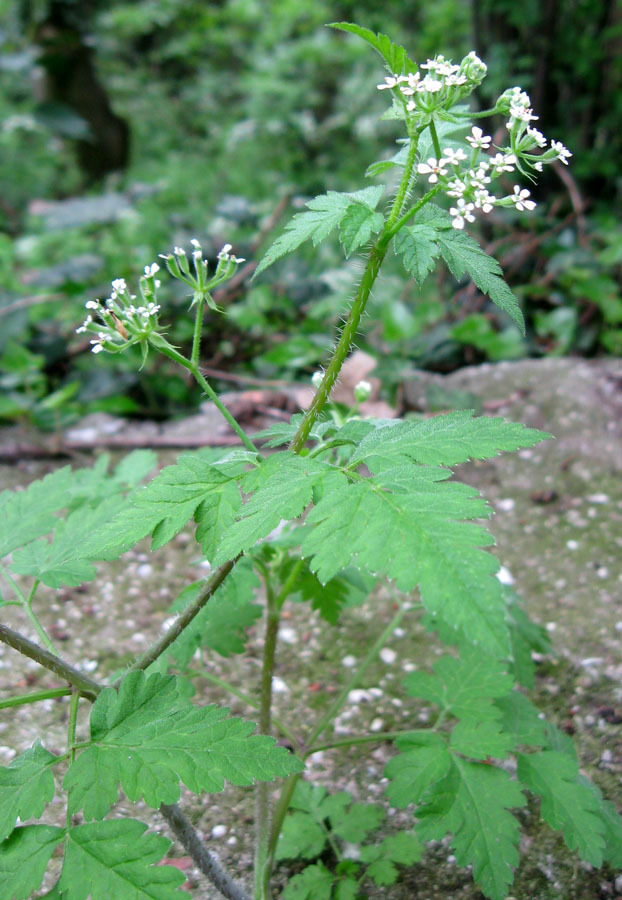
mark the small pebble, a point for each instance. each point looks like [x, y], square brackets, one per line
[598, 498]
[606, 756]
[279, 686]
[219, 831]
[349, 661]
[145, 570]
[506, 505]
[376, 725]
[399, 632]
[572, 545]
[388, 656]
[505, 576]
[288, 635]
[602, 572]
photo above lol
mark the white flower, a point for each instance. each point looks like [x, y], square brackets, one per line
[519, 198]
[226, 256]
[462, 212]
[119, 285]
[152, 269]
[537, 136]
[538, 166]
[456, 188]
[477, 138]
[195, 243]
[453, 157]
[525, 114]
[484, 201]
[97, 347]
[433, 167]
[432, 85]
[451, 80]
[503, 162]
[563, 153]
[92, 304]
[478, 179]
[390, 82]
[316, 379]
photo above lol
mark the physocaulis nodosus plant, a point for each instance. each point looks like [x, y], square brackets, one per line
[362, 500]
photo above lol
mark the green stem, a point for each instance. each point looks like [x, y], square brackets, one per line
[262, 805]
[348, 333]
[71, 735]
[165, 348]
[414, 210]
[35, 697]
[48, 660]
[435, 140]
[290, 582]
[246, 698]
[359, 739]
[25, 603]
[196, 338]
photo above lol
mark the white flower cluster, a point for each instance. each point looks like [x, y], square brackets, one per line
[121, 321]
[524, 138]
[443, 84]
[199, 280]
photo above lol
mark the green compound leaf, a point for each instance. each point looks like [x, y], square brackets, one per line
[325, 213]
[464, 255]
[24, 857]
[313, 883]
[612, 823]
[521, 719]
[567, 804]
[166, 504]
[401, 523]
[464, 687]
[472, 803]
[403, 848]
[357, 226]
[355, 823]
[115, 859]
[25, 787]
[283, 488]
[301, 837]
[26, 515]
[423, 761]
[525, 637]
[148, 738]
[396, 58]
[481, 740]
[447, 440]
[419, 248]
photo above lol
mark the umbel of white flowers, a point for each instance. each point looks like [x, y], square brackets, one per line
[124, 319]
[464, 176]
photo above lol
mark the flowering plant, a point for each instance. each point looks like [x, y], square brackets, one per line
[343, 503]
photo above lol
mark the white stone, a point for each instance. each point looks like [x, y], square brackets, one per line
[219, 831]
[288, 635]
[376, 725]
[349, 661]
[507, 505]
[505, 576]
[598, 498]
[144, 570]
[279, 686]
[572, 545]
[388, 656]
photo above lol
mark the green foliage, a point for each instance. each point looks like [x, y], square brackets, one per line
[24, 857]
[147, 738]
[25, 786]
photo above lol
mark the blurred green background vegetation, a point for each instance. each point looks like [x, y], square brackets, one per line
[130, 127]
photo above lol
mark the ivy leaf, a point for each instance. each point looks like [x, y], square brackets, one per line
[472, 803]
[447, 440]
[325, 213]
[283, 488]
[302, 837]
[424, 760]
[26, 515]
[357, 226]
[116, 859]
[567, 804]
[401, 523]
[419, 249]
[313, 883]
[148, 738]
[464, 255]
[464, 687]
[222, 623]
[24, 857]
[25, 787]
[396, 58]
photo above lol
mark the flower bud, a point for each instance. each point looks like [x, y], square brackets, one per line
[316, 379]
[362, 391]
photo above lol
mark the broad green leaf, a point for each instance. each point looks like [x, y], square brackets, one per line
[357, 226]
[447, 440]
[418, 246]
[481, 740]
[62, 560]
[401, 524]
[395, 56]
[165, 506]
[215, 516]
[115, 859]
[521, 719]
[24, 857]
[283, 488]
[301, 837]
[325, 213]
[464, 255]
[472, 803]
[567, 804]
[25, 787]
[423, 761]
[464, 687]
[313, 883]
[148, 738]
[222, 623]
[26, 515]
[354, 823]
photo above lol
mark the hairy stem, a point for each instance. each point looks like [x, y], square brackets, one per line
[376, 738]
[85, 685]
[206, 861]
[71, 735]
[435, 140]
[35, 697]
[196, 338]
[262, 804]
[183, 620]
